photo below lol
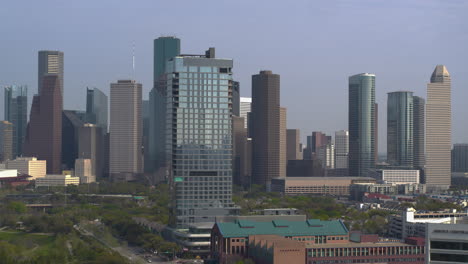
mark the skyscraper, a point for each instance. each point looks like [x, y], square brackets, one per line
[361, 122]
[245, 108]
[6, 141]
[265, 127]
[419, 106]
[84, 170]
[97, 108]
[165, 48]
[293, 145]
[341, 149]
[50, 62]
[91, 145]
[44, 131]
[460, 158]
[241, 172]
[400, 129]
[198, 148]
[314, 142]
[71, 123]
[125, 128]
[16, 108]
[283, 150]
[438, 129]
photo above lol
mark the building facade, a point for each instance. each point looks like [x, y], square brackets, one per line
[362, 125]
[84, 171]
[44, 131]
[16, 108]
[28, 165]
[245, 109]
[265, 126]
[6, 141]
[396, 176]
[125, 128]
[438, 130]
[57, 180]
[283, 144]
[91, 145]
[460, 158]
[419, 134]
[338, 186]
[447, 243]
[165, 48]
[341, 149]
[72, 121]
[50, 62]
[293, 144]
[400, 129]
[97, 108]
[198, 147]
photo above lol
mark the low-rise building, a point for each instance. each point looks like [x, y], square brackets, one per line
[396, 176]
[411, 223]
[339, 186]
[28, 165]
[447, 243]
[57, 180]
[12, 178]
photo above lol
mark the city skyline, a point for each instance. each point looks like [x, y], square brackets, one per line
[328, 70]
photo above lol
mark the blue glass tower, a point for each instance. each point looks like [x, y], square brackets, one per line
[361, 122]
[16, 108]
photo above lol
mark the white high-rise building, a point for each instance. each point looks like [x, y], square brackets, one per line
[245, 108]
[326, 154]
[438, 130]
[84, 170]
[341, 149]
[125, 128]
[28, 165]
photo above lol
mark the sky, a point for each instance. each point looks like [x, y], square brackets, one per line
[315, 45]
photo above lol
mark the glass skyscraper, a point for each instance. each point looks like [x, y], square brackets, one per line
[361, 122]
[16, 112]
[165, 48]
[400, 129]
[197, 93]
[97, 108]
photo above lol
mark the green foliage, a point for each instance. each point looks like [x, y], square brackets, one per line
[17, 207]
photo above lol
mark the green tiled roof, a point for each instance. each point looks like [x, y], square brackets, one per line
[312, 227]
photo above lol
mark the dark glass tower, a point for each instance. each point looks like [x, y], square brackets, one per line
[16, 108]
[97, 108]
[361, 122]
[165, 48]
[418, 132]
[400, 129]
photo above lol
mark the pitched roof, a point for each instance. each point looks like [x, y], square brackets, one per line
[312, 227]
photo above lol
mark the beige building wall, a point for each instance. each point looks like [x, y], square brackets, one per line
[125, 127]
[293, 145]
[28, 165]
[283, 147]
[438, 130]
[84, 170]
[57, 180]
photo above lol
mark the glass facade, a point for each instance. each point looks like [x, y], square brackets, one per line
[197, 94]
[400, 129]
[361, 122]
[97, 108]
[16, 108]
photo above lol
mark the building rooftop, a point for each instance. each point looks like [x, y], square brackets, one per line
[359, 245]
[312, 227]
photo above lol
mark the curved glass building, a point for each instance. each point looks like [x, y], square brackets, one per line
[400, 129]
[361, 122]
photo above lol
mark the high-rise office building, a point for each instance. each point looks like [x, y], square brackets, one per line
[235, 98]
[361, 122]
[438, 130]
[91, 146]
[245, 108]
[341, 149]
[198, 148]
[400, 129]
[145, 115]
[50, 62]
[125, 128]
[460, 158]
[84, 170]
[419, 106]
[165, 48]
[376, 133]
[16, 108]
[283, 150]
[314, 142]
[97, 108]
[293, 144]
[265, 127]
[6, 141]
[44, 131]
[326, 155]
[71, 123]
[241, 162]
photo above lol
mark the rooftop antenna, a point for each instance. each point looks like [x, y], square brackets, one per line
[133, 60]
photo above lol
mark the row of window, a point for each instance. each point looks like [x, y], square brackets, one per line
[365, 251]
[378, 260]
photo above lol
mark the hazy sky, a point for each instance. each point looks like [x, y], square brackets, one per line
[313, 45]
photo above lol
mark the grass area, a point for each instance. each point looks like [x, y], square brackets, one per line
[29, 240]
